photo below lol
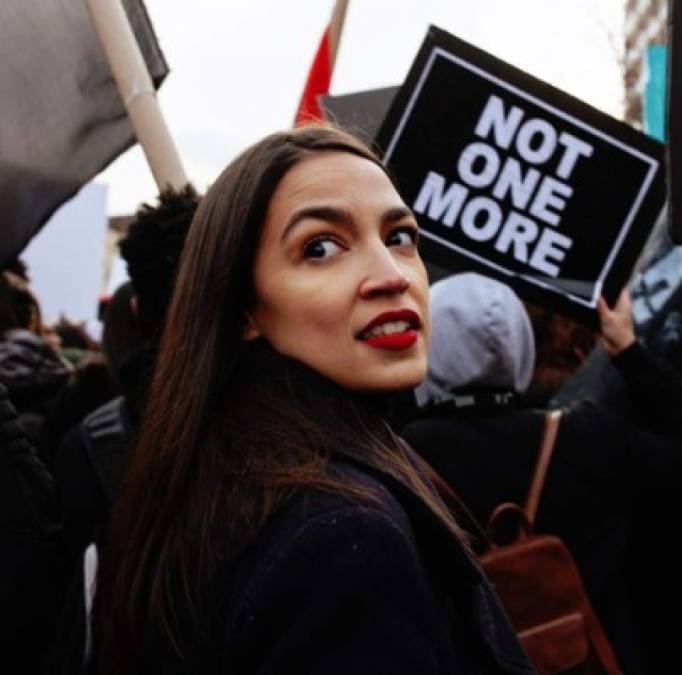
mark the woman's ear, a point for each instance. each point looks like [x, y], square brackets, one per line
[251, 330]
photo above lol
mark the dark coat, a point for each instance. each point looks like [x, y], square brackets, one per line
[91, 458]
[88, 468]
[29, 535]
[604, 470]
[34, 374]
[332, 586]
[29, 368]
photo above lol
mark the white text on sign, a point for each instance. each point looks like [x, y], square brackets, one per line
[527, 231]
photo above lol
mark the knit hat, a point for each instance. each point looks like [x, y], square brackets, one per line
[481, 339]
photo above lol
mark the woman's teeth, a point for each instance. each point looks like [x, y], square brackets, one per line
[387, 329]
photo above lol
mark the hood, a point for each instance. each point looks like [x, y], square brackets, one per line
[29, 367]
[482, 339]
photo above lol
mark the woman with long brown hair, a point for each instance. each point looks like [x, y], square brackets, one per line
[270, 521]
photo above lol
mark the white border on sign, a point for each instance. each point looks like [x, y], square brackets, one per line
[627, 223]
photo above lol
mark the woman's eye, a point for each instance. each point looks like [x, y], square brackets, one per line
[321, 248]
[405, 236]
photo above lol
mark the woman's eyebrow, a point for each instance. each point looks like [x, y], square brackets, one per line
[396, 214]
[326, 213]
[338, 216]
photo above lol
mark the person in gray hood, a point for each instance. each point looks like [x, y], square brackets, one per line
[482, 340]
[472, 428]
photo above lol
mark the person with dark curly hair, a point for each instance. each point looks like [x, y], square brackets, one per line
[152, 249]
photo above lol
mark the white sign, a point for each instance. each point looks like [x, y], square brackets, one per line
[65, 258]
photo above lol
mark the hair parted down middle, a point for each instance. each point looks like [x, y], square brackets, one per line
[220, 448]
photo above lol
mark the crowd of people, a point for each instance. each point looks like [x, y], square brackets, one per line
[245, 475]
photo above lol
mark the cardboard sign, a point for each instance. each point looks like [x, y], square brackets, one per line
[515, 179]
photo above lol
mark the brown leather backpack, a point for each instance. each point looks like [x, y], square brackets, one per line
[540, 587]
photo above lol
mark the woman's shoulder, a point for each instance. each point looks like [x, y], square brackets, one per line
[320, 543]
[314, 515]
[326, 560]
[316, 531]
[344, 566]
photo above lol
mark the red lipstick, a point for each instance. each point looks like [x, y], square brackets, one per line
[393, 341]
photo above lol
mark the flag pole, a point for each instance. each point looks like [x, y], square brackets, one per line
[137, 91]
[335, 28]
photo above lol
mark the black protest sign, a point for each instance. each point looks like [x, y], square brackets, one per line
[361, 113]
[516, 179]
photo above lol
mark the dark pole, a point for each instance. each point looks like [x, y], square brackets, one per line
[674, 121]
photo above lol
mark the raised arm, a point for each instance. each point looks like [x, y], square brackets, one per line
[654, 386]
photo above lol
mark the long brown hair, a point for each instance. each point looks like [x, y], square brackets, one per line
[225, 439]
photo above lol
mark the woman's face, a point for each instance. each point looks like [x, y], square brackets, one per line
[339, 285]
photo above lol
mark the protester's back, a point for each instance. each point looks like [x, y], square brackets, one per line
[92, 458]
[29, 536]
[30, 368]
[473, 429]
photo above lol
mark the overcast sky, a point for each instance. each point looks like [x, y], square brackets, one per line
[238, 66]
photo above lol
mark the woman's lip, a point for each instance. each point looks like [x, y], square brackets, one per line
[393, 342]
[396, 315]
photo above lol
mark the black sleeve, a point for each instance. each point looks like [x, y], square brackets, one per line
[27, 509]
[348, 596]
[654, 388]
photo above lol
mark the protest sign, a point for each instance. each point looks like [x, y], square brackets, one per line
[513, 178]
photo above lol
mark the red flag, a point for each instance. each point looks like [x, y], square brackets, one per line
[320, 75]
[319, 79]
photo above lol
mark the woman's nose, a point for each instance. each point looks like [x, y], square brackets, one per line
[384, 277]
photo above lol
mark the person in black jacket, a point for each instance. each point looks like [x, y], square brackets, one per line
[30, 368]
[29, 539]
[475, 432]
[270, 521]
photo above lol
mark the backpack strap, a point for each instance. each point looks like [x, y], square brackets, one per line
[549, 435]
[600, 642]
[456, 505]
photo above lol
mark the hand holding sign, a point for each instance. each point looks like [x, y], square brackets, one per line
[617, 327]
